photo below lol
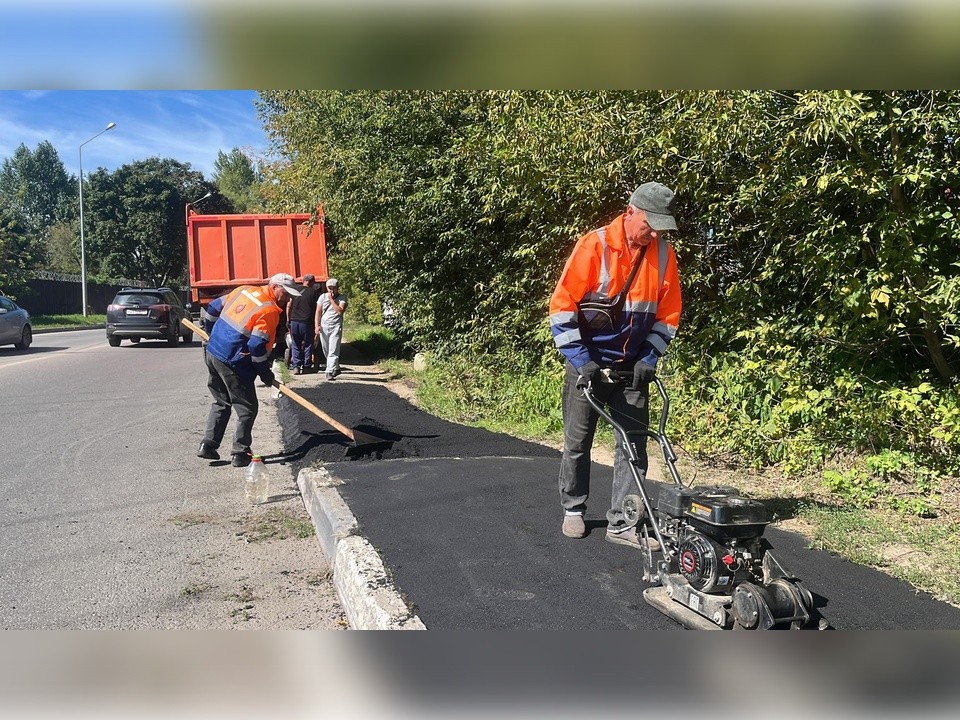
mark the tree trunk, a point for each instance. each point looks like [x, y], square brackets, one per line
[930, 335]
[934, 348]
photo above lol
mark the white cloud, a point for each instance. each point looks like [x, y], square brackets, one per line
[188, 126]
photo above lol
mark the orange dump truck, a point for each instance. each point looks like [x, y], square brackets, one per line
[226, 251]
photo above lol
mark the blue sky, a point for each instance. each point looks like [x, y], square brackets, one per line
[190, 126]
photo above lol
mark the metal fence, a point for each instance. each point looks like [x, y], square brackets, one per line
[64, 296]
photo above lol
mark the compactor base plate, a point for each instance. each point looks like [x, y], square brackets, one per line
[659, 598]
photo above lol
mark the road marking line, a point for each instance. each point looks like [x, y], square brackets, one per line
[55, 353]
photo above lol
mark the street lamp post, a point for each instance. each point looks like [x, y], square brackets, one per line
[83, 250]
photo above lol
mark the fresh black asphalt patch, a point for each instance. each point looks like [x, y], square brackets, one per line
[468, 523]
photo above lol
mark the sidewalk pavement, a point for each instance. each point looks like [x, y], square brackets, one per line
[456, 527]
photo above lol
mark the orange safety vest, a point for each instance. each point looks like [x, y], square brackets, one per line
[597, 269]
[244, 327]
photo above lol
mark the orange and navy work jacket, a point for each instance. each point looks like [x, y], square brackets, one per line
[243, 327]
[597, 269]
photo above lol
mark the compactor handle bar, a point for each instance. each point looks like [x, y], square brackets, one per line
[669, 456]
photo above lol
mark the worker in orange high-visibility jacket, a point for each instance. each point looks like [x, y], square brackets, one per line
[628, 339]
[242, 326]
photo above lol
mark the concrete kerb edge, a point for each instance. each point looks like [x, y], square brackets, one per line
[369, 599]
[41, 331]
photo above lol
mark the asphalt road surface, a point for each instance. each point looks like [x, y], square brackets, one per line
[108, 520]
[468, 523]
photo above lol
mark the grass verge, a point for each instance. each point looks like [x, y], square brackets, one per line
[40, 322]
[374, 342]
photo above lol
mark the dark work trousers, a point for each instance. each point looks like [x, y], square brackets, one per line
[302, 335]
[229, 391]
[630, 409]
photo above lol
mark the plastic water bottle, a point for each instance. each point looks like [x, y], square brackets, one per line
[257, 481]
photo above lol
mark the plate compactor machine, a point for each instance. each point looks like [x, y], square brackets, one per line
[714, 569]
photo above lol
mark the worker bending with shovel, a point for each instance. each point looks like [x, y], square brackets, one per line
[242, 328]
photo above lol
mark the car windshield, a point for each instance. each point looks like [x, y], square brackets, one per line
[140, 299]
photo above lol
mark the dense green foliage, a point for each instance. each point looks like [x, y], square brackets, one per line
[35, 185]
[238, 180]
[38, 201]
[817, 250]
[19, 253]
[136, 223]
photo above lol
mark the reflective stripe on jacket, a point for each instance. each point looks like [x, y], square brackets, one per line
[244, 327]
[597, 269]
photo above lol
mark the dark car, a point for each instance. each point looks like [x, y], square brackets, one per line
[137, 313]
[14, 324]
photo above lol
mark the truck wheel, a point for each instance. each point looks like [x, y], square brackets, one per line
[113, 340]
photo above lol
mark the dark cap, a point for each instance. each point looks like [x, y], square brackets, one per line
[308, 278]
[656, 201]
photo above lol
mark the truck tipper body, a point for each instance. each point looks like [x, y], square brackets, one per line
[227, 251]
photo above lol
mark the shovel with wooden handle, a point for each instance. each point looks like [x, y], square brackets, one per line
[363, 443]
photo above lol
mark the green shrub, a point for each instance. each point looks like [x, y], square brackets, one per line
[366, 308]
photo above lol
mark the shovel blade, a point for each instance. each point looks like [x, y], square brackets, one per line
[367, 444]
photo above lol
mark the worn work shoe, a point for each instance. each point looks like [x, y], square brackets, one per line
[240, 459]
[631, 538]
[330, 376]
[208, 452]
[573, 526]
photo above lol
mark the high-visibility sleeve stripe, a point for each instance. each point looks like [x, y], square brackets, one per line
[566, 338]
[658, 343]
[604, 288]
[640, 306]
[662, 255]
[662, 328]
[562, 317]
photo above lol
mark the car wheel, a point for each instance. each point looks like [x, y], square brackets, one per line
[113, 340]
[173, 339]
[187, 337]
[26, 337]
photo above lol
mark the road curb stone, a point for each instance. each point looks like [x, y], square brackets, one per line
[369, 598]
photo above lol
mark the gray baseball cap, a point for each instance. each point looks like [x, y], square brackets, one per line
[656, 201]
[285, 281]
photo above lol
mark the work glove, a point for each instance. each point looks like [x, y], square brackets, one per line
[590, 374]
[643, 374]
[267, 377]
